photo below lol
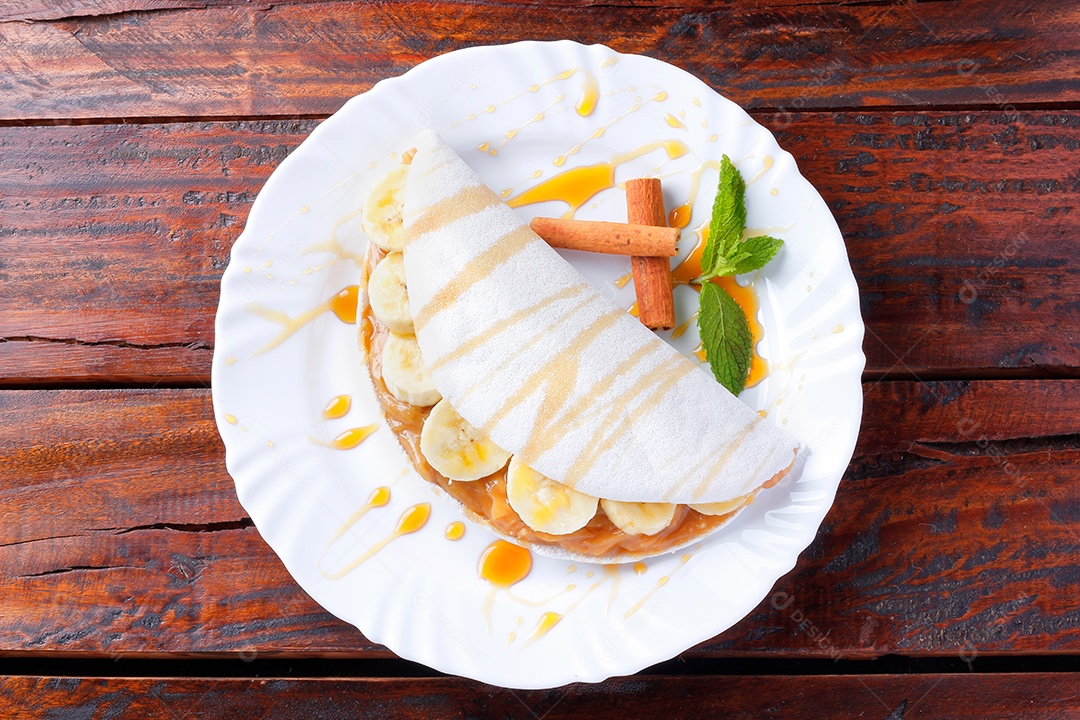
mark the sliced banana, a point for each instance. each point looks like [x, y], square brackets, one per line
[639, 518]
[388, 296]
[544, 504]
[382, 210]
[455, 448]
[722, 508]
[404, 372]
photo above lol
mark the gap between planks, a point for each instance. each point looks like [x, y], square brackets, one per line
[761, 114]
[871, 377]
[359, 666]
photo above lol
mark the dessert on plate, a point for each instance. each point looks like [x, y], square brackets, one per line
[549, 413]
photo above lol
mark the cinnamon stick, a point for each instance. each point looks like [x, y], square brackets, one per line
[607, 237]
[652, 275]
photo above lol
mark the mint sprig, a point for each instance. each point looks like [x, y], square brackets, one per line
[724, 328]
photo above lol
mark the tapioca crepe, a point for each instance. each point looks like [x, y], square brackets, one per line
[527, 350]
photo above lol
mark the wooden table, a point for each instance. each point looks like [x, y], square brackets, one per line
[945, 137]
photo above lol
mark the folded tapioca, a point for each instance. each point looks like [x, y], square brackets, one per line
[558, 420]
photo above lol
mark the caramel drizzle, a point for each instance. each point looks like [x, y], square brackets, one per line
[659, 584]
[591, 406]
[531, 89]
[410, 521]
[505, 248]
[766, 458]
[478, 341]
[526, 347]
[717, 464]
[605, 437]
[557, 417]
[467, 201]
[556, 377]
[725, 457]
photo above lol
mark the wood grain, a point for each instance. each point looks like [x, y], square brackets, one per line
[960, 228]
[288, 59]
[131, 265]
[34, 10]
[119, 512]
[954, 533]
[1028, 695]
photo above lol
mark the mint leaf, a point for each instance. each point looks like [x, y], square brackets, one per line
[725, 335]
[726, 225]
[755, 252]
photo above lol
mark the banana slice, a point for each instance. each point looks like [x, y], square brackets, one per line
[382, 210]
[404, 372]
[388, 296]
[723, 508]
[639, 518]
[455, 448]
[544, 504]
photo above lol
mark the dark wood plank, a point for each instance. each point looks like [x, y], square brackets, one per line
[287, 59]
[131, 267]
[962, 233]
[1030, 695]
[960, 229]
[954, 532]
[35, 10]
[963, 411]
[119, 512]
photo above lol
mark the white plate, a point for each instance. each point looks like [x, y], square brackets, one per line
[420, 595]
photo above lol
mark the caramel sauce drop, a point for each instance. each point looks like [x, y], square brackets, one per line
[639, 568]
[674, 122]
[590, 93]
[413, 519]
[352, 437]
[455, 530]
[686, 271]
[344, 304]
[503, 564]
[231, 419]
[379, 497]
[547, 621]
[681, 329]
[338, 407]
[679, 217]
